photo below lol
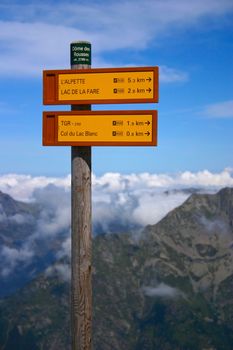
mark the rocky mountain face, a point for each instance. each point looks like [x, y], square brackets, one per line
[195, 242]
[16, 220]
[169, 289]
[25, 250]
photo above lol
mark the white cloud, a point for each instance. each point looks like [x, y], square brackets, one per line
[118, 182]
[46, 46]
[51, 224]
[120, 203]
[11, 257]
[152, 207]
[170, 75]
[215, 225]
[22, 187]
[206, 179]
[20, 219]
[65, 249]
[55, 210]
[162, 290]
[3, 216]
[219, 110]
[53, 26]
[63, 271]
[17, 218]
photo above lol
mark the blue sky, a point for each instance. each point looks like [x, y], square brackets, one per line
[192, 43]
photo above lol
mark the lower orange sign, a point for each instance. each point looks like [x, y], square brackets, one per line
[108, 128]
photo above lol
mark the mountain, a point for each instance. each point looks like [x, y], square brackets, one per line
[195, 241]
[25, 250]
[16, 220]
[169, 289]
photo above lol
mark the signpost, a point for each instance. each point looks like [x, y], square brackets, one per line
[81, 232]
[82, 128]
[86, 128]
[101, 86]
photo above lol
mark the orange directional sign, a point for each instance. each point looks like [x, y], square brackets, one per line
[100, 86]
[108, 128]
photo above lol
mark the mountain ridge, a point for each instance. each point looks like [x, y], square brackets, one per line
[171, 288]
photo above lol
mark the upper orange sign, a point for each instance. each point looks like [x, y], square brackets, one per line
[100, 86]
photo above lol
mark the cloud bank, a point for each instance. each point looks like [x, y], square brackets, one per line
[162, 290]
[121, 203]
[219, 110]
[118, 200]
[53, 26]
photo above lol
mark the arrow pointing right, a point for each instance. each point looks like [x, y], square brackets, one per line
[147, 133]
[148, 123]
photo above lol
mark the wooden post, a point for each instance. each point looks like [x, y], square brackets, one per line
[81, 240]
